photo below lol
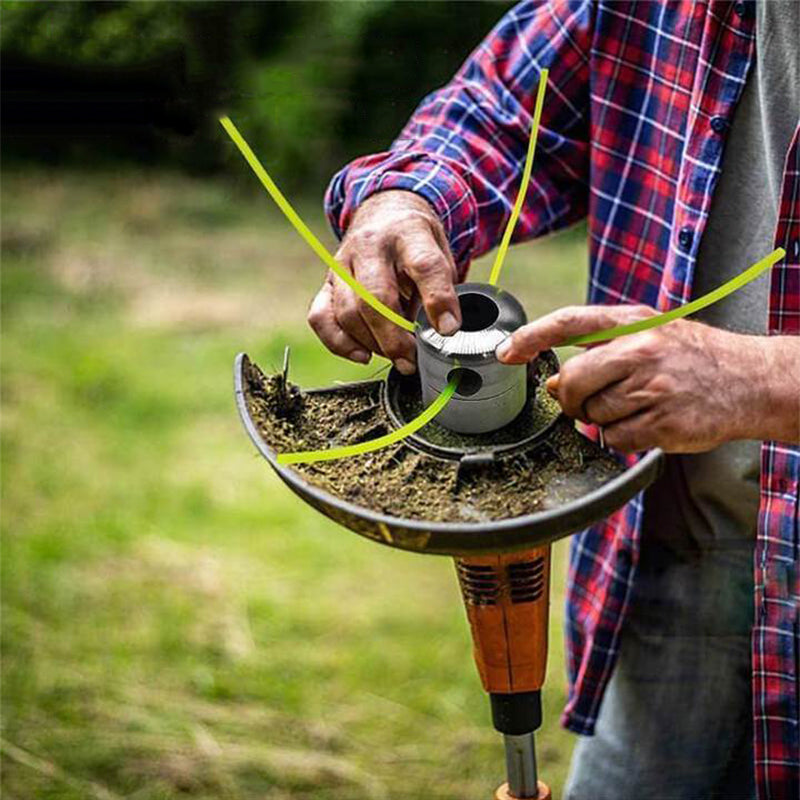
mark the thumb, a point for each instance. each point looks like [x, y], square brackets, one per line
[432, 270]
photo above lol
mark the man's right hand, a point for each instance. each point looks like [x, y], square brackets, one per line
[396, 248]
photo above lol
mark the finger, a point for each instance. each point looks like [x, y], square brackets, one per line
[552, 329]
[322, 320]
[616, 402]
[592, 372]
[432, 269]
[377, 276]
[633, 434]
[345, 309]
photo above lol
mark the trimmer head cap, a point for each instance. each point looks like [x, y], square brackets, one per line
[489, 394]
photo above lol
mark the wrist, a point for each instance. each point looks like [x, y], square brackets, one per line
[773, 411]
[395, 202]
[435, 181]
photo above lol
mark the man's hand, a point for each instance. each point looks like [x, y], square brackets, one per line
[685, 387]
[397, 249]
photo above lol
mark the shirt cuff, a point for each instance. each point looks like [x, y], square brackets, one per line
[432, 178]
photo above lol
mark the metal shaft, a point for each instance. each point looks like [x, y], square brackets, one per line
[521, 765]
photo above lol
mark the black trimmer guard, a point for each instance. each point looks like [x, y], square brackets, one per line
[589, 501]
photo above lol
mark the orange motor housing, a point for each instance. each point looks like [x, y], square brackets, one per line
[507, 598]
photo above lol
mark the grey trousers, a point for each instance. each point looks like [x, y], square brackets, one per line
[675, 723]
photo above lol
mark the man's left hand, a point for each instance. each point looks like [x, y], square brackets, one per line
[685, 387]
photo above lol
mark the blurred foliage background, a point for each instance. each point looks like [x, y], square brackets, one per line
[315, 82]
[174, 622]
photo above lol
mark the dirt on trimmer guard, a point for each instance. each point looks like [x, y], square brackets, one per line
[570, 493]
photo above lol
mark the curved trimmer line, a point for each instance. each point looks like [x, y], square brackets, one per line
[283, 204]
[523, 187]
[303, 229]
[320, 249]
[308, 456]
[750, 274]
[441, 401]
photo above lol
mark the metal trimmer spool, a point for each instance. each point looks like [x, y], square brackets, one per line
[489, 394]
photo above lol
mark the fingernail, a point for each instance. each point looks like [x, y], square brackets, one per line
[448, 324]
[503, 349]
[362, 356]
[551, 384]
[405, 366]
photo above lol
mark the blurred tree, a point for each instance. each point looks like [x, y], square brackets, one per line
[407, 50]
[292, 100]
[310, 84]
[93, 33]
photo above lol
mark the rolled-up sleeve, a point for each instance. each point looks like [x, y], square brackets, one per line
[464, 148]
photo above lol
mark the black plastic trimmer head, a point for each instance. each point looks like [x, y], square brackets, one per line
[574, 503]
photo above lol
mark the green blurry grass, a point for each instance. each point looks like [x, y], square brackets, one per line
[175, 623]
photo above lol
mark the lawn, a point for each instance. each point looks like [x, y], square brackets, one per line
[174, 622]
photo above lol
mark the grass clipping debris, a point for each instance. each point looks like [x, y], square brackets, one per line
[402, 481]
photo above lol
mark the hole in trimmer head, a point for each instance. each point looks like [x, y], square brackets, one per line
[478, 312]
[469, 381]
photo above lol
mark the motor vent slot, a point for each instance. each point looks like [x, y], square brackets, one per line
[526, 580]
[480, 584]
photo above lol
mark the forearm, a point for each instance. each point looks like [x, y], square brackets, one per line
[775, 409]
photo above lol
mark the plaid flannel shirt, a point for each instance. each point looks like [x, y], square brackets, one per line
[631, 136]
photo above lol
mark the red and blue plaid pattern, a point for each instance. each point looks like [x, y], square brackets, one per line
[639, 99]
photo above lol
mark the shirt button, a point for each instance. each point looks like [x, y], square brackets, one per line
[685, 238]
[739, 9]
[718, 124]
